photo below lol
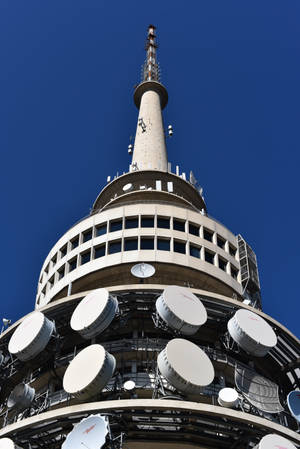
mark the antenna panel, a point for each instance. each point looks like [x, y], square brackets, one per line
[7, 443]
[181, 309]
[89, 372]
[252, 333]
[127, 188]
[293, 402]
[31, 336]
[228, 397]
[94, 313]
[21, 397]
[185, 366]
[143, 270]
[90, 432]
[273, 441]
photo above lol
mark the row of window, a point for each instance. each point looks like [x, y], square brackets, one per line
[142, 243]
[142, 222]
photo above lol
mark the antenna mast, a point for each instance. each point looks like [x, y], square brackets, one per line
[151, 67]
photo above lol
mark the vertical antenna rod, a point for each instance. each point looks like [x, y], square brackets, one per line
[151, 68]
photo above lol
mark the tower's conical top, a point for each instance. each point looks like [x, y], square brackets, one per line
[150, 97]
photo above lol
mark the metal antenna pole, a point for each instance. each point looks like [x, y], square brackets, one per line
[151, 69]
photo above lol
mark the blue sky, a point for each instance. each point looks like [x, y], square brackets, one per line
[232, 70]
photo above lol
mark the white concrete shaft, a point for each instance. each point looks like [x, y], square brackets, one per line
[150, 151]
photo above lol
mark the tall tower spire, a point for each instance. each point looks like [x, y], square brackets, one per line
[150, 97]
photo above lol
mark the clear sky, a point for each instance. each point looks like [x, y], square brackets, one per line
[232, 69]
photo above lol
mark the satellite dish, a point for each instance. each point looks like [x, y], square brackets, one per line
[31, 336]
[143, 270]
[90, 432]
[21, 397]
[7, 443]
[181, 309]
[89, 372]
[228, 397]
[258, 390]
[127, 188]
[94, 313]
[273, 441]
[252, 333]
[129, 385]
[185, 366]
[293, 402]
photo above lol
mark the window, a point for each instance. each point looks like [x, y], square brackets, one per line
[163, 222]
[222, 264]
[115, 226]
[163, 244]
[131, 223]
[72, 264]
[51, 282]
[85, 257]
[61, 273]
[234, 272]
[179, 247]
[208, 235]
[195, 251]
[209, 257]
[232, 251]
[101, 229]
[87, 235]
[54, 259]
[99, 251]
[194, 229]
[147, 222]
[130, 244]
[47, 269]
[114, 247]
[178, 225]
[147, 243]
[220, 242]
[63, 251]
[75, 242]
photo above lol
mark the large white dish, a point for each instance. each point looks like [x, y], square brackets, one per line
[143, 270]
[7, 443]
[181, 309]
[293, 402]
[21, 397]
[228, 397]
[31, 336]
[252, 333]
[185, 366]
[273, 441]
[90, 432]
[89, 372]
[94, 313]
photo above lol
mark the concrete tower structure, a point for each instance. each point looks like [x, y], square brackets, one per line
[148, 330]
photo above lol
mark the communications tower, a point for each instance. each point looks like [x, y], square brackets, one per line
[148, 330]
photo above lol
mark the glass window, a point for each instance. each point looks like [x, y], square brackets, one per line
[115, 226]
[51, 282]
[54, 259]
[47, 269]
[85, 257]
[61, 272]
[194, 229]
[130, 244]
[147, 243]
[75, 242]
[195, 251]
[101, 229]
[147, 222]
[179, 247]
[232, 251]
[131, 223]
[234, 272]
[222, 264]
[87, 235]
[114, 247]
[72, 264]
[220, 242]
[163, 244]
[178, 225]
[99, 251]
[208, 235]
[163, 222]
[209, 257]
[63, 251]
